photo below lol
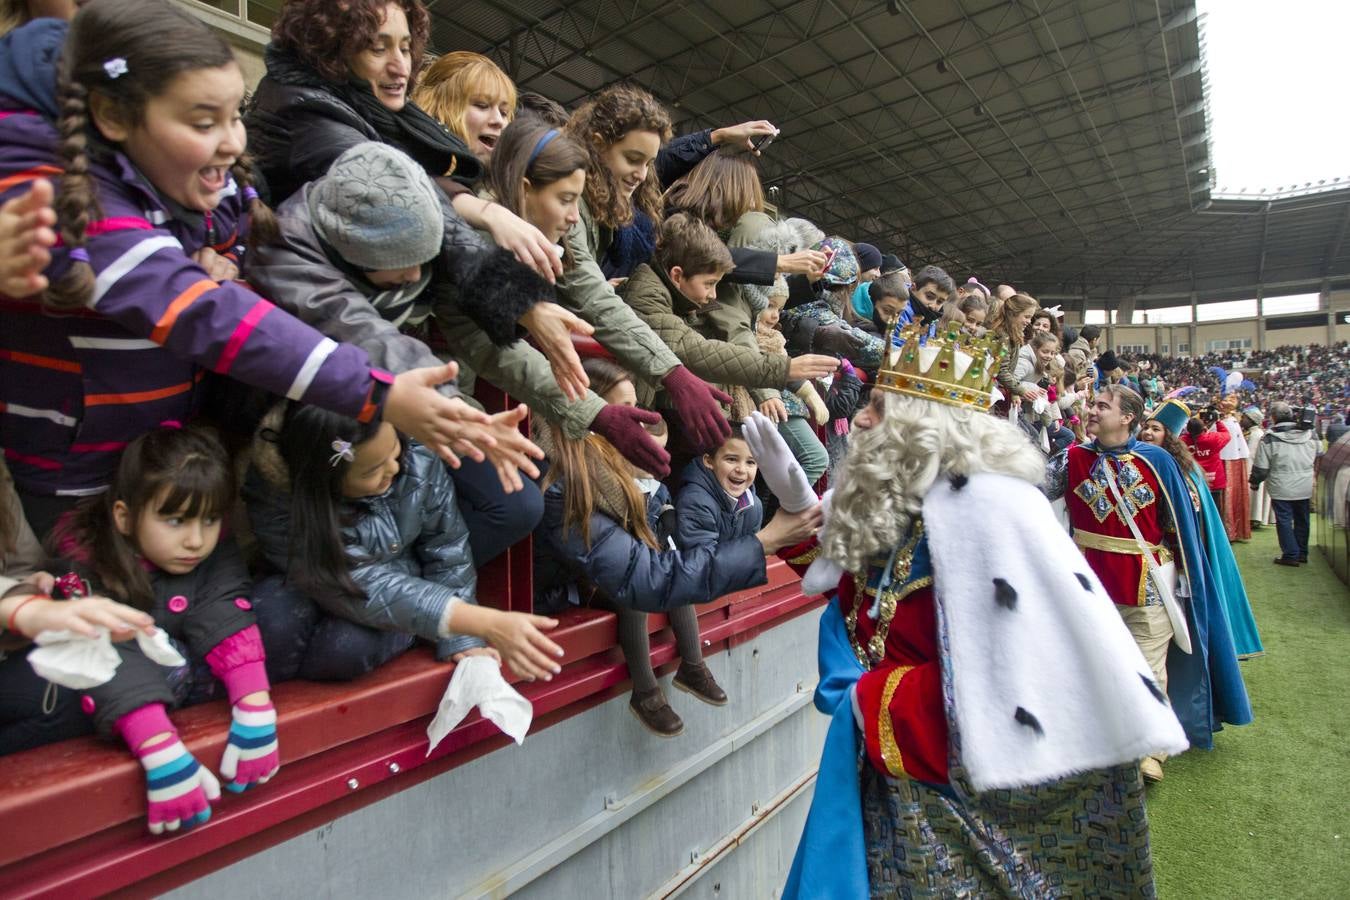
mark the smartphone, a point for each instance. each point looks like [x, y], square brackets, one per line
[762, 141]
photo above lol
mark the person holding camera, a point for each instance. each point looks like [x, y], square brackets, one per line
[1284, 461]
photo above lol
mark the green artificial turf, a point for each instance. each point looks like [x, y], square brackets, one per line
[1266, 814]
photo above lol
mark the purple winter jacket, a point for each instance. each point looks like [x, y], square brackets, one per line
[76, 387]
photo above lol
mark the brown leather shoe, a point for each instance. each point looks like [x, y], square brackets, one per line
[655, 713]
[698, 680]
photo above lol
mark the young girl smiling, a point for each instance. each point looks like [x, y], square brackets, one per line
[155, 208]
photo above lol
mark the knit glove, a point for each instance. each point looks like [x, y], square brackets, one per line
[697, 403]
[251, 756]
[622, 427]
[779, 468]
[179, 790]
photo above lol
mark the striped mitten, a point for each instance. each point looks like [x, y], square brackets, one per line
[251, 755]
[179, 789]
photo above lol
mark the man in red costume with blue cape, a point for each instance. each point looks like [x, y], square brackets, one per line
[1114, 487]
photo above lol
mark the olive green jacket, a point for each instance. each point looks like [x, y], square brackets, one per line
[688, 331]
[733, 319]
[586, 291]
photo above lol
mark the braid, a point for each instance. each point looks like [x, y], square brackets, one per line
[262, 228]
[75, 199]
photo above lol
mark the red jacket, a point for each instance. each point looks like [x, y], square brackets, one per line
[1206, 449]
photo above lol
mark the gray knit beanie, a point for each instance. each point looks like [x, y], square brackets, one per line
[378, 209]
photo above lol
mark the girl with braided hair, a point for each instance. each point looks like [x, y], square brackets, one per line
[140, 131]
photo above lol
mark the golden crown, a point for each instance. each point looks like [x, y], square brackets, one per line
[945, 366]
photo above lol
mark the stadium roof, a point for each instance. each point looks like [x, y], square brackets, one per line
[1059, 146]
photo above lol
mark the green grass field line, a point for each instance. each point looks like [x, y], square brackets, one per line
[1266, 814]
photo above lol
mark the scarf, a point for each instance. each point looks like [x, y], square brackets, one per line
[438, 151]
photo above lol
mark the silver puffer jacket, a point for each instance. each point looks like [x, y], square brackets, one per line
[408, 547]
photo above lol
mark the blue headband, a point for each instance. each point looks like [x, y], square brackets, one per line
[539, 147]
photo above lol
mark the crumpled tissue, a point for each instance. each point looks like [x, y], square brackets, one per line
[478, 682]
[77, 662]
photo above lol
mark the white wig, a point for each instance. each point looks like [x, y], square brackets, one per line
[891, 466]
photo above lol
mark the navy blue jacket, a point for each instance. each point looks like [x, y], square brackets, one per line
[707, 516]
[628, 572]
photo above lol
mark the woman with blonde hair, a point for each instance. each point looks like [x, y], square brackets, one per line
[469, 94]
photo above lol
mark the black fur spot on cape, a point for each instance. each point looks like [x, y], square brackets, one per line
[1025, 718]
[1083, 580]
[1154, 689]
[1004, 594]
[959, 481]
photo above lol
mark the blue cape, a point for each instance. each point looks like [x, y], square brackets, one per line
[831, 861]
[1237, 608]
[1204, 686]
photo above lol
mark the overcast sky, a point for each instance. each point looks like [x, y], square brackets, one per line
[1277, 89]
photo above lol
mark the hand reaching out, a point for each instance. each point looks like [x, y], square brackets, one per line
[218, 268]
[447, 426]
[774, 410]
[742, 136]
[779, 468]
[27, 230]
[622, 427]
[512, 452]
[552, 328]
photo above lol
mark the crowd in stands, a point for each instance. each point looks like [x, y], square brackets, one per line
[192, 331]
[1315, 375]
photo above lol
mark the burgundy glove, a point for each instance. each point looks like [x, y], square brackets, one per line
[697, 403]
[622, 427]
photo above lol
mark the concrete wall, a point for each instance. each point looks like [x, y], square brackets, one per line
[1154, 336]
[485, 828]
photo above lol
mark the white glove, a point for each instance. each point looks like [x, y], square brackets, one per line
[781, 471]
[823, 575]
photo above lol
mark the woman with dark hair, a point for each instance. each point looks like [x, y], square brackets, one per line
[339, 74]
[1163, 428]
[622, 129]
[539, 173]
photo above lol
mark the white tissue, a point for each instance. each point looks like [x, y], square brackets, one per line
[478, 682]
[159, 648]
[77, 662]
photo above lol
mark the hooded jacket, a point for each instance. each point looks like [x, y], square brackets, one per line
[1284, 461]
[408, 547]
[76, 388]
[707, 516]
[298, 126]
[29, 56]
[684, 327]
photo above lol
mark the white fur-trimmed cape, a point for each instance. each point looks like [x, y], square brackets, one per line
[1046, 680]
